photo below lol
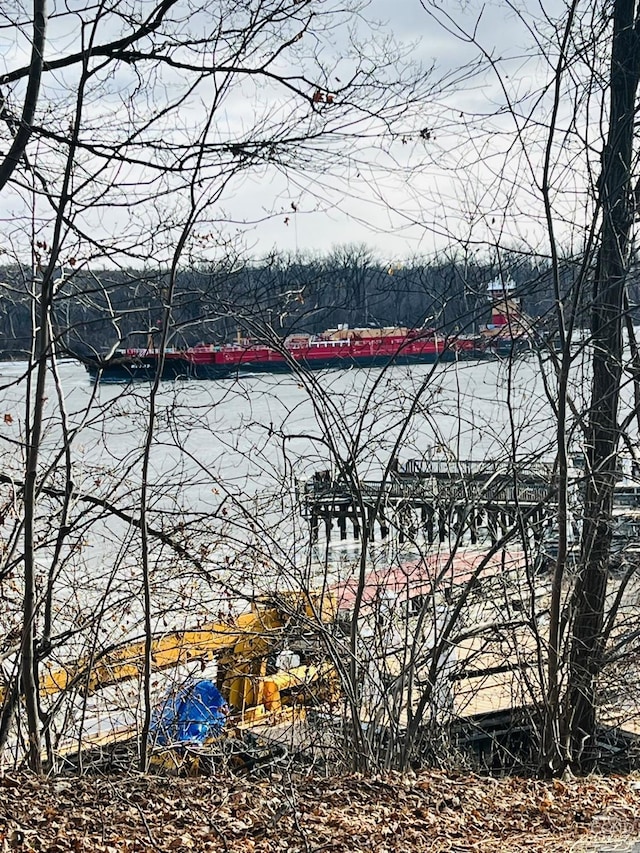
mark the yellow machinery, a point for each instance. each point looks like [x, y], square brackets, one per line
[245, 651]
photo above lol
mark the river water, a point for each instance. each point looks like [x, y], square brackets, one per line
[226, 454]
[243, 443]
[252, 431]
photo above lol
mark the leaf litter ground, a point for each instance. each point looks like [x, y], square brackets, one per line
[349, 814]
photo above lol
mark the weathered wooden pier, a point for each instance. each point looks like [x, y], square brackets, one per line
[443, 499]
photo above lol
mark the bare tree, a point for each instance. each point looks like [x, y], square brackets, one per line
[590, 57]
[603, 433]
[133, 130]
[162, 113]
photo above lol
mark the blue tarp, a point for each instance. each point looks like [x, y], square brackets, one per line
[194, 714]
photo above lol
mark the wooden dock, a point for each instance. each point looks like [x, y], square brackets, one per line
[468, 501]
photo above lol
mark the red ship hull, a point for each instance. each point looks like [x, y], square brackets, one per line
[218, 362]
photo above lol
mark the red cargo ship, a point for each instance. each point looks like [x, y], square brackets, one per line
[337, 348]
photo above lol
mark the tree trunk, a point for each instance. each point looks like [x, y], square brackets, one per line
[28, 661]
[603, 434]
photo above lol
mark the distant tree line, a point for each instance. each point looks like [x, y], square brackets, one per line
[101, 310]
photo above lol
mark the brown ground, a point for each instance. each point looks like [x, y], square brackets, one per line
[430, 812]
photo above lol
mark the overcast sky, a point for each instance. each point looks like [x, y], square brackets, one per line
[431, 204]
[467, 183]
